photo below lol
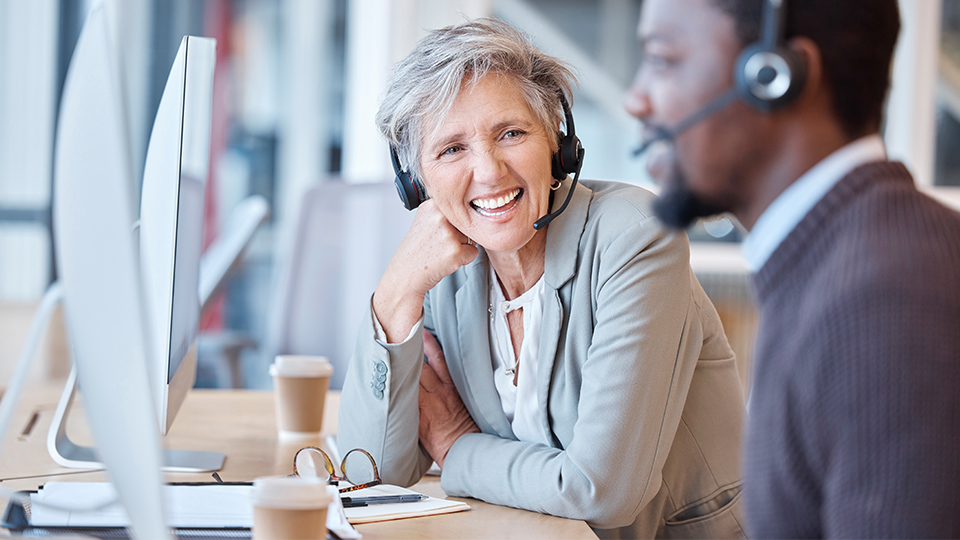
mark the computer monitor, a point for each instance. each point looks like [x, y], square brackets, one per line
[100, 279]
[171, 221]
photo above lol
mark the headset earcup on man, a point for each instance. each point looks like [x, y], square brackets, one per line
[769, 79]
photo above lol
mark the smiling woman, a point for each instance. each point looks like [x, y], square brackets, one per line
[577, 369]
[487, 167]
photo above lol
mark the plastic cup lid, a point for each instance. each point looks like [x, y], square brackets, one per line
[301, 366]
[291, 492]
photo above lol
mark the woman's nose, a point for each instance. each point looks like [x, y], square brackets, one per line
[489, 166]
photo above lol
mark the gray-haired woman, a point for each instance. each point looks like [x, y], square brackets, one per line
[577, 370]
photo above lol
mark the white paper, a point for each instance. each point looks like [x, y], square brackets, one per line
[384, 512]
[206, 506]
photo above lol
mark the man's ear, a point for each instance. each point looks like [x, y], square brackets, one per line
[809, 53]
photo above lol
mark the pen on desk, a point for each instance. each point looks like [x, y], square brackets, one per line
[353, 502]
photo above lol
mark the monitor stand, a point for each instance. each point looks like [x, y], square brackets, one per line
[64, 451]
[69, 454]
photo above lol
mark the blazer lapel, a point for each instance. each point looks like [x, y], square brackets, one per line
[475, 354]
[560, 265]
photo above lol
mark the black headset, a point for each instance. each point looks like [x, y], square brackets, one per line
[566, 160]
[409, 188]
[770, 75]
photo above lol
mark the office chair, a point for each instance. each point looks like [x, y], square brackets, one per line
[344, 237]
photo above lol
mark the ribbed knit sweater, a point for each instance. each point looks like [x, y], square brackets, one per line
[854, 416]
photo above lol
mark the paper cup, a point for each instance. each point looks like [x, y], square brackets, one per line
[300, 386]
[291, 507]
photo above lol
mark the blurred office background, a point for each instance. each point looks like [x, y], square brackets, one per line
[297, 87]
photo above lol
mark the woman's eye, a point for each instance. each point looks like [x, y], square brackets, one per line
[450, 151]
[513, 133]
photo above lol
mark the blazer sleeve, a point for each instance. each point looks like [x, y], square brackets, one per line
[384, 421]
[635, 370]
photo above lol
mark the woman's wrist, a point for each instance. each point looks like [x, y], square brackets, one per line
[397, 311]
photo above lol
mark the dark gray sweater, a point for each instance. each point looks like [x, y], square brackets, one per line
[854, 417]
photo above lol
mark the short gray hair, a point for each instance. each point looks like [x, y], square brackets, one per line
[426, 83]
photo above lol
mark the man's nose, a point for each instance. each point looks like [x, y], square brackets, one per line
[636, 101]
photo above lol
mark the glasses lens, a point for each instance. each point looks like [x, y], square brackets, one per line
[311, 463]
[358, 467]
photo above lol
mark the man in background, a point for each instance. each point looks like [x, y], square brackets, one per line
[854, 419]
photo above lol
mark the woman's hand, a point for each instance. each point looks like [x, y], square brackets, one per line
[431, 250]
[443, 416]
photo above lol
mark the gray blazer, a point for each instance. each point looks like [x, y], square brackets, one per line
[637, 386]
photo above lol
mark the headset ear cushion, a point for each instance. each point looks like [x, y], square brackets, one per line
[409, 191]
[566, 158]
[556, 167]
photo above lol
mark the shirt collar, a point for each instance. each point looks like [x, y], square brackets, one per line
[789, 208]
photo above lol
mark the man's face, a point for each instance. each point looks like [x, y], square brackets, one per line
[690, 48]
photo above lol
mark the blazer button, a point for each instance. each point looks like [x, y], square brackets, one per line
[381, 377]
[380, 367]
[380, 386]
[378, 394]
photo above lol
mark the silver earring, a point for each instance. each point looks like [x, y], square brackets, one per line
[555, 185]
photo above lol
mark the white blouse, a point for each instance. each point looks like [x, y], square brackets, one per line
[519, 402]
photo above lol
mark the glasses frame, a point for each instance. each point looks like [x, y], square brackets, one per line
[334, 479]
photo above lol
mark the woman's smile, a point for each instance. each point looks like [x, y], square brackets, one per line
[497, 206]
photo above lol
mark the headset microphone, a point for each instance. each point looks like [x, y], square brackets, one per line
[568, 159]
[667, 134]
[545, 220]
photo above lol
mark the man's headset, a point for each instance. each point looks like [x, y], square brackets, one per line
[768, 75]
[566, 160]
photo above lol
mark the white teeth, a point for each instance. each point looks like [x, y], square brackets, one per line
[490, 204]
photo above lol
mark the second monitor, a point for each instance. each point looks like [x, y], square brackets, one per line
[171, 222]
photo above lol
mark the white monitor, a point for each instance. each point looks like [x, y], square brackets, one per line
[100, 278]
[168, 270]
[171, 222]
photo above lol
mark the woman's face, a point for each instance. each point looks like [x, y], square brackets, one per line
[487, 166]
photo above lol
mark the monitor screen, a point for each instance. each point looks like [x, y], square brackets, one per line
[185, 301]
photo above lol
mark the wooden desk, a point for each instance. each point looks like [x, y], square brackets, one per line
[241, 424]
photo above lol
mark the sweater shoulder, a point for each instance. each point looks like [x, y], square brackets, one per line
[874, 226]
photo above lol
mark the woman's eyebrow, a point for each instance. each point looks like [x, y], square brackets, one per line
[457, 137]
[500, 126]
[448, 139]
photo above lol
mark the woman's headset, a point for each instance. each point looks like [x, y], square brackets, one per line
[566, 160]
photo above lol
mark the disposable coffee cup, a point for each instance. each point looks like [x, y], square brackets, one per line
[291, 507]
[300, 387]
